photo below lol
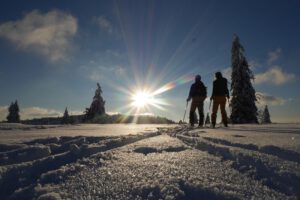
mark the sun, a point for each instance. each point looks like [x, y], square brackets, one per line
[141, 99]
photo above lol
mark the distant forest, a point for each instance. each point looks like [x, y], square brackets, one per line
[101, 119]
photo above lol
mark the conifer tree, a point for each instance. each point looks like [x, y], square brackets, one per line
[266, 115]
[66, 117]
[243, 99]
[97, 105]
[13, 113]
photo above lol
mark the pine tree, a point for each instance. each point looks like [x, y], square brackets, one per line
[66, 117]
[243, 99]
[266, 115]
[13, 113]
[97, 105]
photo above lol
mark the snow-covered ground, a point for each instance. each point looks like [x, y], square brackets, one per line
[143, 162]
[15, 132]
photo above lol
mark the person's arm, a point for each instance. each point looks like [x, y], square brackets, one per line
[213, 91]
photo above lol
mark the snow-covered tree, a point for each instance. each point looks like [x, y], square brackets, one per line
[266, 116]
[66, 117]
[13, 113]
[243, 99]
[97, 106]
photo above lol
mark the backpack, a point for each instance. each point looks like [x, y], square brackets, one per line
[201, 90]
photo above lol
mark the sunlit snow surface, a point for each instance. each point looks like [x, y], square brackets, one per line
[16, 132]
[145, 162]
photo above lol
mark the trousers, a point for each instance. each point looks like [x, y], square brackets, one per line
[197, 102]
[219, 101]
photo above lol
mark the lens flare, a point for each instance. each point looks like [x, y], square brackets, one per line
[142, 98]
[182, 80]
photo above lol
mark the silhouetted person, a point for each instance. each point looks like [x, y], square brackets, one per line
[198, 95]
[219, 94]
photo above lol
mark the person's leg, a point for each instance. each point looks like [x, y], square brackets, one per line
[201, 114]
[214, 112]
[223, 111]
[192, 111]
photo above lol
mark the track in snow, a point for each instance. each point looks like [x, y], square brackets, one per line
[24, 165]
[275, 167]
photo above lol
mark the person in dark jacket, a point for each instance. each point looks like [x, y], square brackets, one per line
[219, 94]
[198, 95]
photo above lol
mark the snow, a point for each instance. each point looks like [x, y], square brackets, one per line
[168, 162]
[13, 133]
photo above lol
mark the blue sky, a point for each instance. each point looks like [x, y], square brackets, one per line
[52, 53]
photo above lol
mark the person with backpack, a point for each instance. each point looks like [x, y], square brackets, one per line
[198, 94]
[219, 94]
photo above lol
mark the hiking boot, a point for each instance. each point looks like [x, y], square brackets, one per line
[213, 125]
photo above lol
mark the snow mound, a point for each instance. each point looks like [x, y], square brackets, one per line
[24, 154]
[49, 196]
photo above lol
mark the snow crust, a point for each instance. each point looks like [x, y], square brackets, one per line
[239, 162]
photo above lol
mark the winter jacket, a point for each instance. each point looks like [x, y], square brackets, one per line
[220, 88]
[198, 89]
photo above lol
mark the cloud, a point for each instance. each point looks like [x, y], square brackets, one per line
[75, 112]
[144, 114]
[3, 112]
[274, 75]
[227, 73]
[104, 24]
[274, 56]
[112, 113]
[266, 99]
[102, 72]
[47, 34]
[254, 64]
[107, 65]
[36, 112]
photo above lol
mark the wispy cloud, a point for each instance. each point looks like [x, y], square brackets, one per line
[104, 24]
[48, 34]
[274, 56]
[266, 99]
[227, 73]
[112, 113]
[3, 112]
[144, 114]
[275, 75]
[38, 112]
[101, 72]
[106, 66]
[254, 64]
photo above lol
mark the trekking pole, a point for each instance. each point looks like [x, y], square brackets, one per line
[209, 109]
[185, 111]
